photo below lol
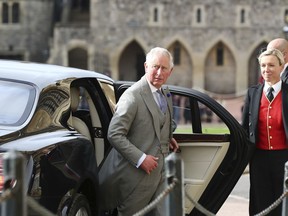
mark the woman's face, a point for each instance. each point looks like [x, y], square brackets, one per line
[270, 69]
[158, 70]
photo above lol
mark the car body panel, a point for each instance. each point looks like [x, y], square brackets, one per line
[39, 141]
[64, 161]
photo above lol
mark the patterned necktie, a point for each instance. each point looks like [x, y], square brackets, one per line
[270, 95]
[162, 101]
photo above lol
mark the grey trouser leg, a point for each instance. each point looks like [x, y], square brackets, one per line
[145, 192]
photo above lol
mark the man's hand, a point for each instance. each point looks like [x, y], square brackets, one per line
[173, 145]
[149, 164]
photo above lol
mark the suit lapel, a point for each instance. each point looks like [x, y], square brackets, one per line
[150, 102]
[170, 106]
[167, 95]
[254, 109]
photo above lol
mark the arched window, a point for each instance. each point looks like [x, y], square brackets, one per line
[198, 15]
[15, 13]
[242, 16]
[286, 16]
[5, 13]
[81, 5]
[177, 54]
[220, 55]
[155, 15]
[78, 58]
[11, 12]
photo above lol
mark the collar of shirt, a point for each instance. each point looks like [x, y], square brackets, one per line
[153, 90]
[276, 87]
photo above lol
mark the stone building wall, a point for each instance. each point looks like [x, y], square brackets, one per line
[29, 37]
[116, 34]
[122, 22]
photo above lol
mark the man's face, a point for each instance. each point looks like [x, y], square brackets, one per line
[158, 70]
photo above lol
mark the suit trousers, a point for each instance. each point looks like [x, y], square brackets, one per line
[266, 180]
[146, 191]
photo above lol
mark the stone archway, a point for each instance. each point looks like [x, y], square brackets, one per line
[220, 70]
[131, 63]
[182, 73]
[254, 73]
[78, 58]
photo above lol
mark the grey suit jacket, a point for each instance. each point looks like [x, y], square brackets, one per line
[134, 130]
[251, 110]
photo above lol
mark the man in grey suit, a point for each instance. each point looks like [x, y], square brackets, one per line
[282, 45]
[133, 173]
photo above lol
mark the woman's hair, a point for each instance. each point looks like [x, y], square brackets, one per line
[274, 52]
[162, 51]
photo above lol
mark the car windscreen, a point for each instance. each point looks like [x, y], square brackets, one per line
[16, 101]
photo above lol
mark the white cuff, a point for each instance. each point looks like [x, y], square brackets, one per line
[140, 161]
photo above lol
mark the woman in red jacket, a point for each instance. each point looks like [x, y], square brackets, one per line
[265, 118]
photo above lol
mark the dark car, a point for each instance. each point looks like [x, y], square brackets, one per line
[46, 113]
[58, 117]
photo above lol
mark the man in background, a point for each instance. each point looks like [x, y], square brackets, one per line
[282, 45]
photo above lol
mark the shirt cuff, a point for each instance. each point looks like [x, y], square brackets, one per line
[140, 161]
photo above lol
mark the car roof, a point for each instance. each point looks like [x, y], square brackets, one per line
[43, 74]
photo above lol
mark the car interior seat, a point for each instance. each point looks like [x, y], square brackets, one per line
[78, 123]
[87, 115]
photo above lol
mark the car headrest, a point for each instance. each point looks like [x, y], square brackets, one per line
[75, 98]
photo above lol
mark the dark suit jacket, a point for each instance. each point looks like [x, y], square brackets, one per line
[251, 110]
[284, 76]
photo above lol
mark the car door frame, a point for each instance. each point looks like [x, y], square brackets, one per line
[238, 154]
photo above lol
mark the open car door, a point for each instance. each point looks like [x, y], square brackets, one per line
[213, 146]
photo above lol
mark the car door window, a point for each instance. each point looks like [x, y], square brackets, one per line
[193, 116]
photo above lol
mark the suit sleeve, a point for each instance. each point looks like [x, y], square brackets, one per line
[120, 125]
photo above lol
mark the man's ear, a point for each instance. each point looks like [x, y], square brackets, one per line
[145, 66]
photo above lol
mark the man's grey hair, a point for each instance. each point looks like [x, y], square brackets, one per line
[159, 50]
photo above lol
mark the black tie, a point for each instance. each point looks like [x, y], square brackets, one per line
[270, 94]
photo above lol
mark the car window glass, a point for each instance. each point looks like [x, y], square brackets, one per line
[193, 116]
[211, 122]
[16, 103]
[181, 114]
[83, 103]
